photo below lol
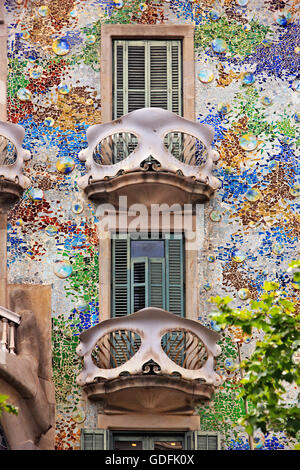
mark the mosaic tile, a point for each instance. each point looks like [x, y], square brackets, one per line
[54, 92]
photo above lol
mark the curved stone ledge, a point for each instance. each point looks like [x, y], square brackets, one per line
[149, 393]
[149, 187]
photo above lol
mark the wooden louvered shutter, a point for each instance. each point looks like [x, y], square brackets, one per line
[129, 77]
[119, 91]
[120, 277]
[164, 72]
[139, 284]
[143, 282]
[147, 73]
[176, 84]
[158, 68]
[200, 440]
[210, 441]
[95, 439]
[175, 275]
[157, 279]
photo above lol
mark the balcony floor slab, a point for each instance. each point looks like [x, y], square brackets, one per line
[149, 393]
[156, 186]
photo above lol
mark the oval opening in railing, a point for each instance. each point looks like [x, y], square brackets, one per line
[185, 349]
[115, 148]
[186, 148]
[8, 151]
[116, 348]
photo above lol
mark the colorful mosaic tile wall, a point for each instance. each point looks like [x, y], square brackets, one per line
[247, 84]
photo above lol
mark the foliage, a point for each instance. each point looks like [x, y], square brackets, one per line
[4, 406]
[272, 365]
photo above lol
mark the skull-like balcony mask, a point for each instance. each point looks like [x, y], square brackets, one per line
[150, 128]
[157, 331]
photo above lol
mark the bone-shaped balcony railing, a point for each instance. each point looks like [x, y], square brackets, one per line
[153, 136]
[12, 155]
[116, 348]
[119, 146]
[9, 321]
[126, 345]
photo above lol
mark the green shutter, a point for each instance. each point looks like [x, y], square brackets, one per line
[157, 280]
[146, 73]
[200, 440]
[95, 439]
[175, 275]
[143, 282]
[139, 284]
[120, 276]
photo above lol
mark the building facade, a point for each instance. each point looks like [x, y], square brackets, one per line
[148, 162]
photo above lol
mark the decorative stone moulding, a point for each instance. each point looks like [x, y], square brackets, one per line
[148, 344]
[150, 145]
[12, 157]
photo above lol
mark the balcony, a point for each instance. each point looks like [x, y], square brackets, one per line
[151, 360]
[12, 157]
[149, 155]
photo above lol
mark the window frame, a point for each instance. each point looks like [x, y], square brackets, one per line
[166, 267]
[189, 439]
[185, 33]
[147, 45]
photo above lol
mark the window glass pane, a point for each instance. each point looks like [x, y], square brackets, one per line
[139, 301]
[128, 445]
[147, 248]
[164, 445]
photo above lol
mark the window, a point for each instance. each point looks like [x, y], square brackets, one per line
[146, 73]
[155, 43]
[94, 439]
[200, 440]
[148, 441]
[99, 439]
[147, 273]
